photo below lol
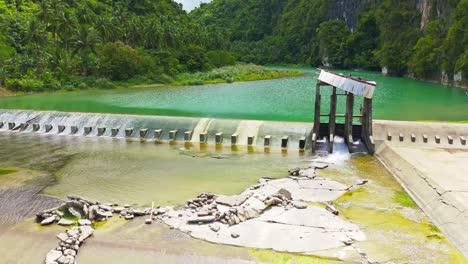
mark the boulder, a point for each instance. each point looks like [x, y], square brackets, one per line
[49, 220]
[84, 222]
[65, 222]
[66, 260]
[53, 255]
[63, 237]
[299, 205]
[215, 227]
[285, 193]
[203, 219]
[148, 221]
[118, 209]
[75, 212]
[69, 252]
[129, 217]
[86, 231]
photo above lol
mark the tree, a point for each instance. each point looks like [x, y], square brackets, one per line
[118, 61]
[333, 36]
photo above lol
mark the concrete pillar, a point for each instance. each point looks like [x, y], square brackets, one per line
[48, 128]
[234, 139]
[219, 138]
[267, 141]
[101, 131]
[250, 140]
[332, 118]
[462, 140]
[114, 132]
[389, 136]
[302, 143]
[188, 135]
[331, 141]
[73, 130]
[61, 128]
[36, 127]
[284, 142]
[413, 138]
[316, 130]
[87, 130]
[203, 137]
[401, 137]
[348, 129]
[24, 126]
[425, 138]
[173, 135]
[143, 132]
[437, 139]
[1, 124]
[128, 132]
[11, 125]
[450, 140]
[158, 134]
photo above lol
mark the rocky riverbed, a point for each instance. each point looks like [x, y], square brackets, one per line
[294, 214]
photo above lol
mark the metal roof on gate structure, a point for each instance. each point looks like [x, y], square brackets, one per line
[355, 86]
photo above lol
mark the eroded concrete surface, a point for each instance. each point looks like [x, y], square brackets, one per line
[437, 179]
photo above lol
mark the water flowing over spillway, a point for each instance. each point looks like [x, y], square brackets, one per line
[132, 126]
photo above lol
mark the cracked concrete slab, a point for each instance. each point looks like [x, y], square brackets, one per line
[437, 180]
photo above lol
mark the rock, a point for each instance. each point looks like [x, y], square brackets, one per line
[84, 222]
[129, 217]
[218, 157]
[148, 221]
[215, 227]
[53, 255]
[105, 207]
[63, 237]
[320, 166]
[73, 211]
[65, 222]
[285, 193]
[126, 206]
[234, 235]
[137, 212]
[102, 213]
[263, 180]
[74, 232]
[118, 209]
[49, 220]
[233, 200]
[161, 210]
[86, 231]
[69, 252]
[294, 171]
[299, 205]
[66, 260]
[203, 219]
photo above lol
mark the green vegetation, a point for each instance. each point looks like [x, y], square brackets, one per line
[5, 171]
[374, 34]
[403, 199]
[230, 74]
[61, 44]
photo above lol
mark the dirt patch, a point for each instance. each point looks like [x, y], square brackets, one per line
[4, 92]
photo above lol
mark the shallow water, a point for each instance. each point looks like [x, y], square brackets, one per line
[290, 99]
[134, 172]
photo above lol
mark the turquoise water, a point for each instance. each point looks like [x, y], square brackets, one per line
[290, 99]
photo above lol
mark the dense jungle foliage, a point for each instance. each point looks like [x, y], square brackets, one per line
[52, 44]
[388, 33]
[65, 44]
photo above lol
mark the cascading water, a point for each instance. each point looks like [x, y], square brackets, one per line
[110, 125]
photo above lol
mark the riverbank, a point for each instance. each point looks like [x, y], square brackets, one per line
[5, 92]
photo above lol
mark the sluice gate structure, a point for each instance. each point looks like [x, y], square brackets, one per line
[354, 133]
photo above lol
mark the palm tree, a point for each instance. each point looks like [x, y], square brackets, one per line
[84, 42]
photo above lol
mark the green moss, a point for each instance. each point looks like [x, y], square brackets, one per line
[4, 171]
[403, 199]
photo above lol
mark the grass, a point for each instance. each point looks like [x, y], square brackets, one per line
[230, 74]
[403, 199]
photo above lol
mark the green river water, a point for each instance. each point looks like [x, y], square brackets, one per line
[289, 99]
